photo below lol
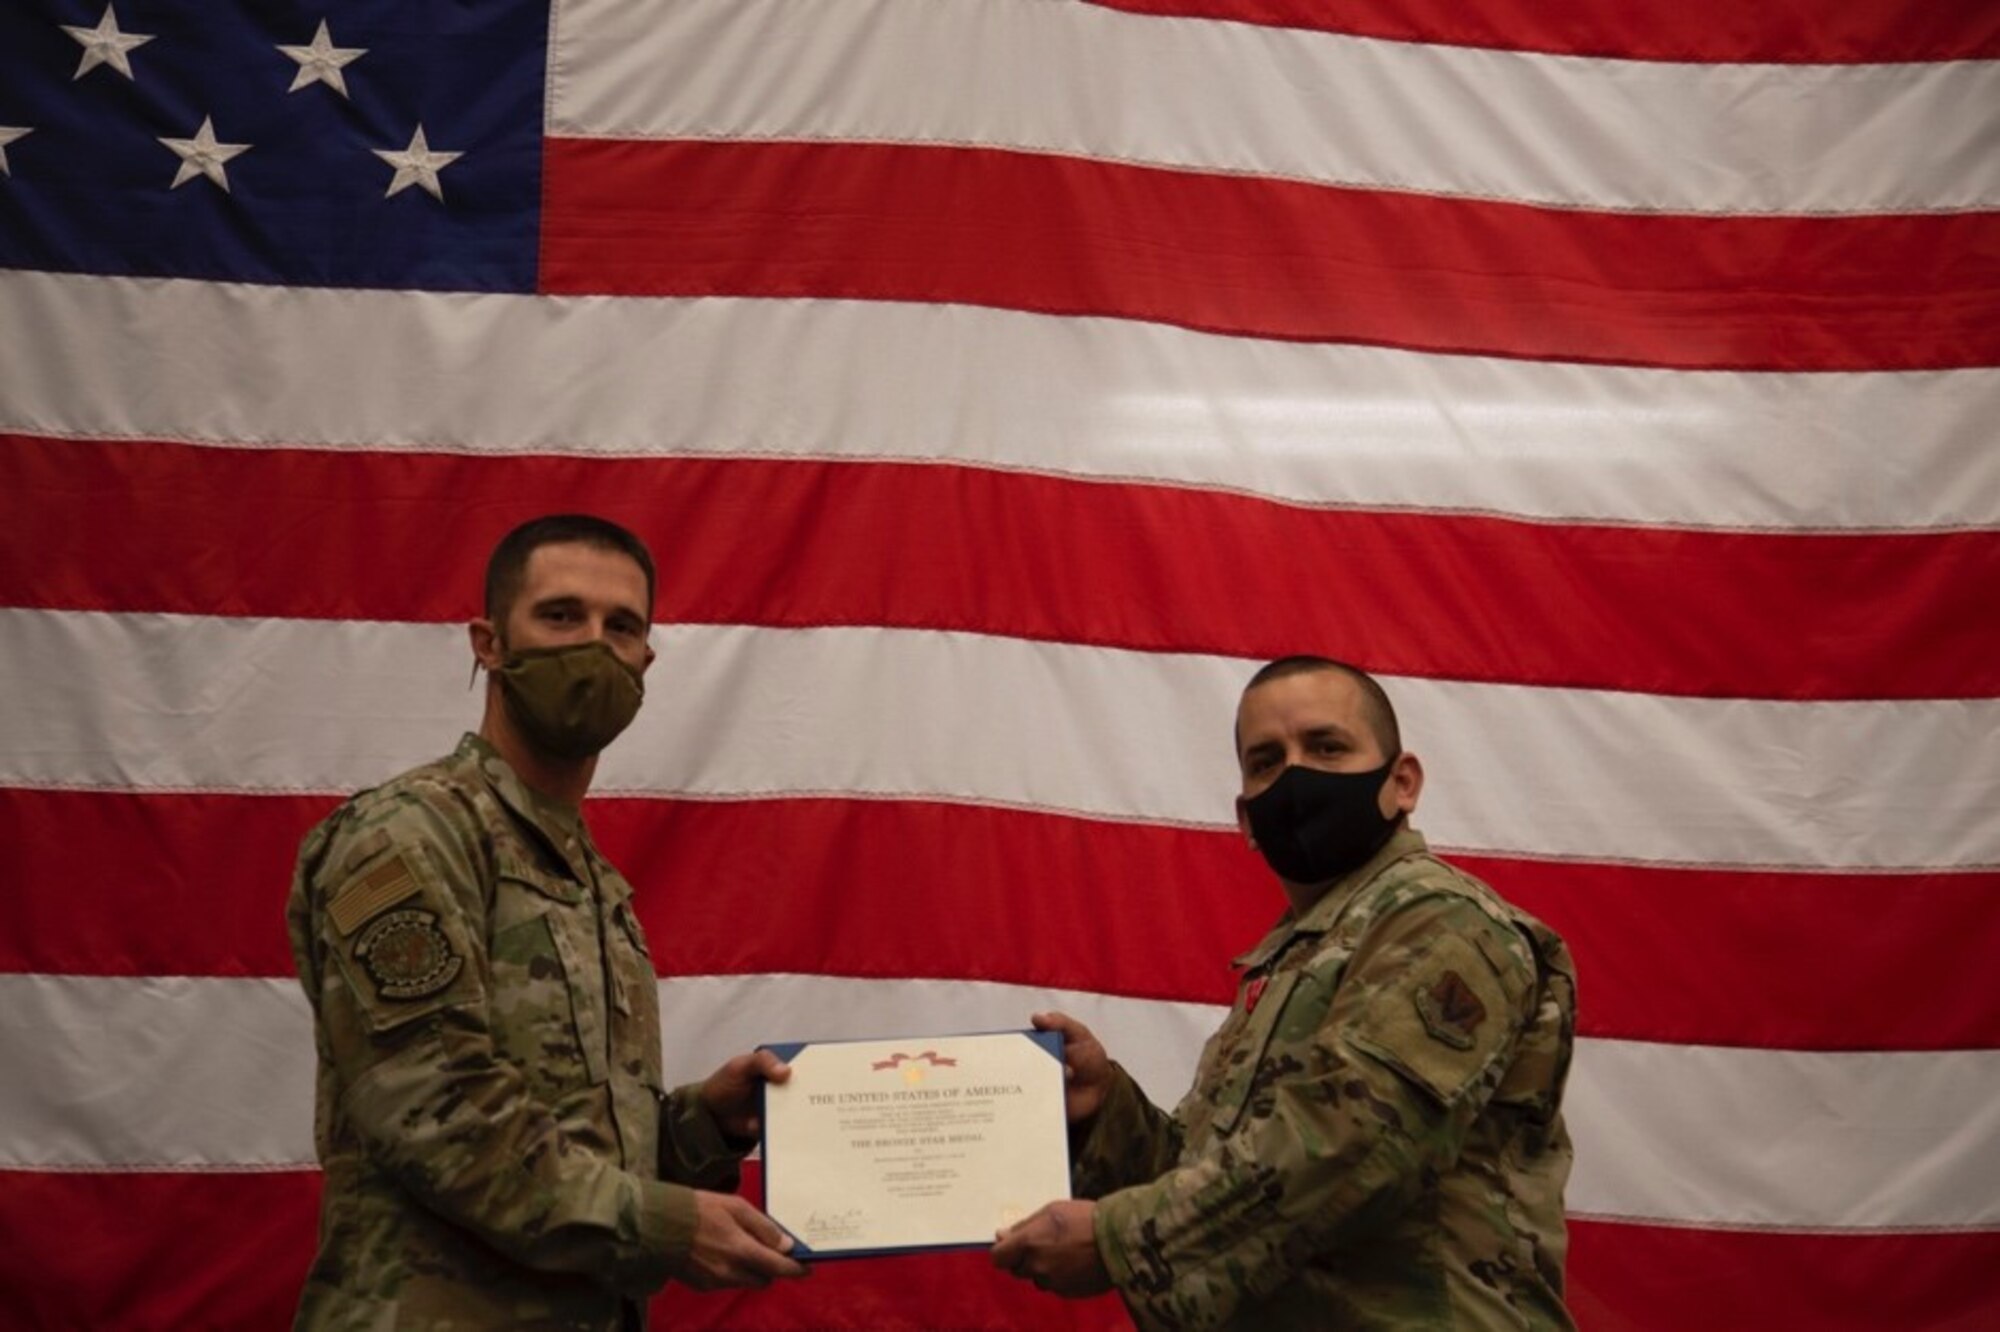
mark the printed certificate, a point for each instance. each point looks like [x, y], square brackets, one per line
[929, 1143]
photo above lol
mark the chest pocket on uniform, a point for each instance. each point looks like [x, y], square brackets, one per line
[546, 976]
[1242, 1049]
[635, 996]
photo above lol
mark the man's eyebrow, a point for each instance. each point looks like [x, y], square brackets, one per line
[572, 599]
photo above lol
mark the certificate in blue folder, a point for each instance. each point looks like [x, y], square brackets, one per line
[934, 1142]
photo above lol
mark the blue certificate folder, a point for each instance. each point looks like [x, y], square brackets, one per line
[913, 1145]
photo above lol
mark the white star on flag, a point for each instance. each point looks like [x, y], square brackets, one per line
[9, 133]
[322, 61]
[417, 165]
[203, 156]
[105, 45]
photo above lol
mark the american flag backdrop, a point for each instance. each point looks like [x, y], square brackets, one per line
[998, 382]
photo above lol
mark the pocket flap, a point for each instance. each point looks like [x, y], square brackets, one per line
[554, 886]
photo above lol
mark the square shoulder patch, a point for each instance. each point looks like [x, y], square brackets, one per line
[1441, 1021]
[1451, 1009]
[395, 936]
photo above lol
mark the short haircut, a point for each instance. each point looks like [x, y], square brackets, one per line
[1376, 709]
[507, 570]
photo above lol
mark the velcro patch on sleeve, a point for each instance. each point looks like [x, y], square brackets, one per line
[368, 895]
[1441, 1021]
[407, 956]
[1451, 1010]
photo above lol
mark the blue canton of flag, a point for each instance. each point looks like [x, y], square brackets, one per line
[374, 143]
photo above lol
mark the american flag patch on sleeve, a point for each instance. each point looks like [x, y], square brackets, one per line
[368, 895]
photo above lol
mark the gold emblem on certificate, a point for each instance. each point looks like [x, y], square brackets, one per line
[939, 1142]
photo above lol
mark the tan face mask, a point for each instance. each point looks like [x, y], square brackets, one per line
[570, 701]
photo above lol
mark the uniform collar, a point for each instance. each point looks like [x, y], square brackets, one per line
[560, 828]
[1321, 915]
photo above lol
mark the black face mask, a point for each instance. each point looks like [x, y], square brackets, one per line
[1312, 826]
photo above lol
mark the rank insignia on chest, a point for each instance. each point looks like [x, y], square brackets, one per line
[407, 955]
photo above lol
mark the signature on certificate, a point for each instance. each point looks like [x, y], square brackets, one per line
[832, 1227]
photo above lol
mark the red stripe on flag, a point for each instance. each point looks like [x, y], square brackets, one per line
[1271, 258]
[1852, 32]
[1156, 913]
[1768, 958]
[85, 1252]
[136, 527]
[90, 1251]
[155, 1251]
[113, 883]
[1633, 1276]
[1029, 893]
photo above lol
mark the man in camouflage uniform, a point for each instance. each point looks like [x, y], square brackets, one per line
[498, 1148]
[1374, 1138]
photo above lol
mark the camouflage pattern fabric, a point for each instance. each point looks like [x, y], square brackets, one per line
[1374, 1138]
[496, 1142]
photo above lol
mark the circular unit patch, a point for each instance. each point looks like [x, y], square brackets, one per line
[407, 955]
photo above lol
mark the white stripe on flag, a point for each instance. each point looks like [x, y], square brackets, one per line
[154, 1072]
[183, 703]
[1651, 136]
[1684, 1134]
[1084, 397]
[1871, 1139]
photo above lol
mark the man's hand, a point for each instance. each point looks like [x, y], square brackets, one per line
[731, 1092]
[1086, 1068]
[736, 1245]
[1056, 1248]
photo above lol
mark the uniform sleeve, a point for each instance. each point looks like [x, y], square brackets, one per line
[693, 1150]
[1128, 1141]
[388, 926]
[1355, 1098]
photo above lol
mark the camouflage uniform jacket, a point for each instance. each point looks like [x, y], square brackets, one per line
[489, 1113]
[1374, 1138]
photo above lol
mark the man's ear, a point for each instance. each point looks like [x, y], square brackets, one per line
[1405, 785]
[485, 639]
[1243, 821]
